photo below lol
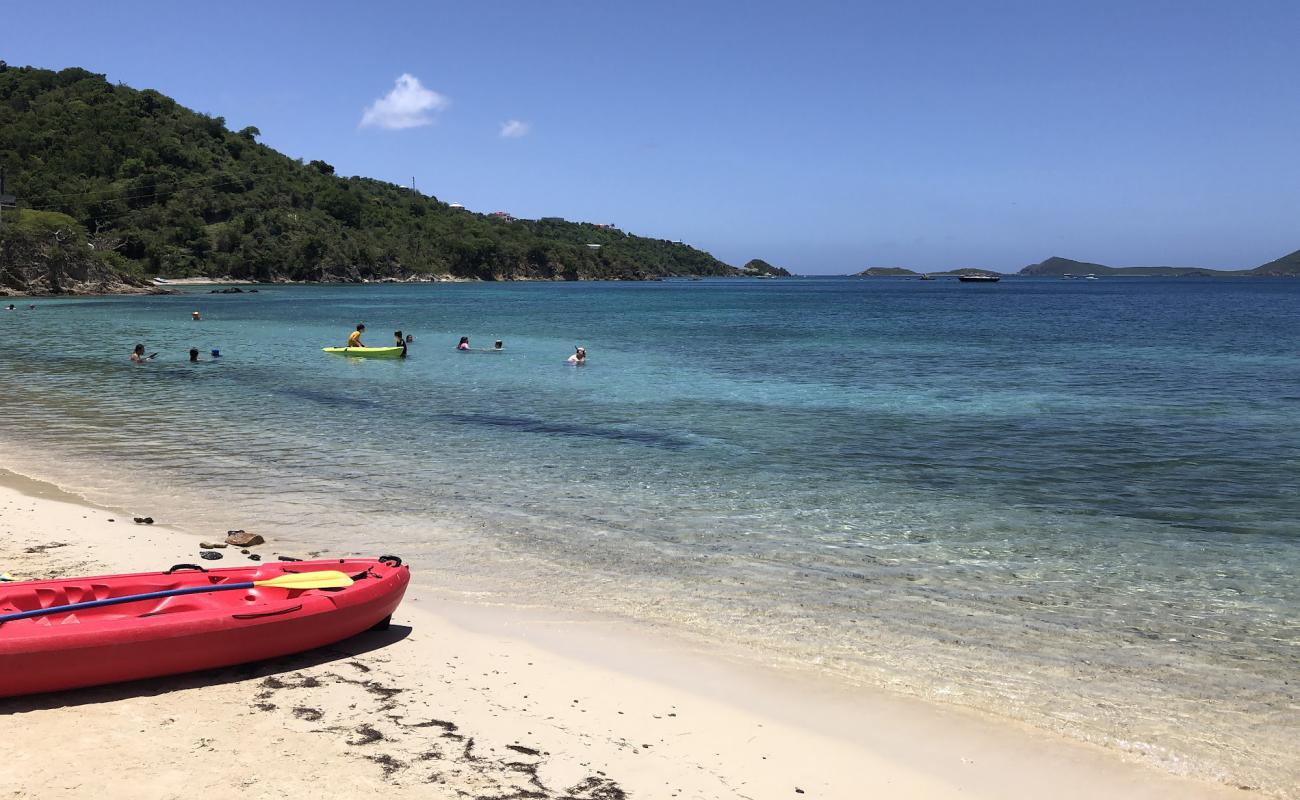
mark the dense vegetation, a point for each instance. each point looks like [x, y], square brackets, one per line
[173, 192]
[51, 253]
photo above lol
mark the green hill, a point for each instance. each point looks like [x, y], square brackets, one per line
[886, 272]
[758, 266]
[1058, 267]
[178, 194]
[1288, 266]
[967, 271]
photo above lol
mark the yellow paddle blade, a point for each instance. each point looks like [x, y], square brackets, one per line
[325, 579]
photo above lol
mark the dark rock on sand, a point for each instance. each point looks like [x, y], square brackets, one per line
[210, 555]
[243, 539]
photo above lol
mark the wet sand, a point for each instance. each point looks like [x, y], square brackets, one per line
[461, 701]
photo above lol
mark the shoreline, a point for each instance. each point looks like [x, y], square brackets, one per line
[555, 703]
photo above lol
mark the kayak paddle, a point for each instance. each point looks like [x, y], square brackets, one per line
[324, 579]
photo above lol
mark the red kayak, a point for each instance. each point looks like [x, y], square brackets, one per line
[199, 629]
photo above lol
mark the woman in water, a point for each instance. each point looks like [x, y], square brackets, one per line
[464, 343]
[579, 356]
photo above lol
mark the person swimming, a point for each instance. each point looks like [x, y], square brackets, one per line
[579, 356]
[499, 344]
[194, 354]
[194, 315]
[464, 343]
[138, 356]
[354, 339]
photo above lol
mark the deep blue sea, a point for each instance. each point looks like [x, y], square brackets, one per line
[1074, 503]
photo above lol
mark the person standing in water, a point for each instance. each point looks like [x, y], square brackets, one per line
[138, 356]
[579, 356]
[354, 340]
[401, 342]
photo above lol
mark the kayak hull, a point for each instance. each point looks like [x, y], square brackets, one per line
[367, 352]
[174, 635]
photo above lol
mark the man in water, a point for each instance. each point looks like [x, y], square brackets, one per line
[400, 342]
[138, 356]
[579, 356]
[355, 339]
[498, 345]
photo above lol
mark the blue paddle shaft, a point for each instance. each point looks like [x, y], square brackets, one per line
[130, 598]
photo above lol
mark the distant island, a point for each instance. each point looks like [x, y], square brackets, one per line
[1287, 266]
[116, 186]
[901, 272]
[758, 266]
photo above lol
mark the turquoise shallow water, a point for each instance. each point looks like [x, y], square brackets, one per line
[1073, 503]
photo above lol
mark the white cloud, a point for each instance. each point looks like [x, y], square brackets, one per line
[513, 129]
[408, 105]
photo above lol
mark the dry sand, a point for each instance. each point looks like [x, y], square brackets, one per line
[457, 701]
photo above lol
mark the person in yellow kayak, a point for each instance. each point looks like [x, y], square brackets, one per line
[354, 340]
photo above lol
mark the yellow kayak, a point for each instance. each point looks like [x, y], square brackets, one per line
[372, 352]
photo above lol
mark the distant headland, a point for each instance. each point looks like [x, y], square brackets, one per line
[107, 187]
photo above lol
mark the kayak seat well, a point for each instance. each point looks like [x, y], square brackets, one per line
[257, 599]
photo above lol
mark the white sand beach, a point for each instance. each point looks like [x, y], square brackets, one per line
[489, 702]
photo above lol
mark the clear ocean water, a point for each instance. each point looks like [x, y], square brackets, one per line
[1074, 503]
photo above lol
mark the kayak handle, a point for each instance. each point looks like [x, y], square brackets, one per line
[391, 561]
[179, 567]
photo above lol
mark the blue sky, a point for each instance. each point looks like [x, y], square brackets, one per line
[825, 137]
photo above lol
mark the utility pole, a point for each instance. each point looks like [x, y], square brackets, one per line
[5, 200]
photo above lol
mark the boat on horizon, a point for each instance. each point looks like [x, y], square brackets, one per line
[979, 278]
